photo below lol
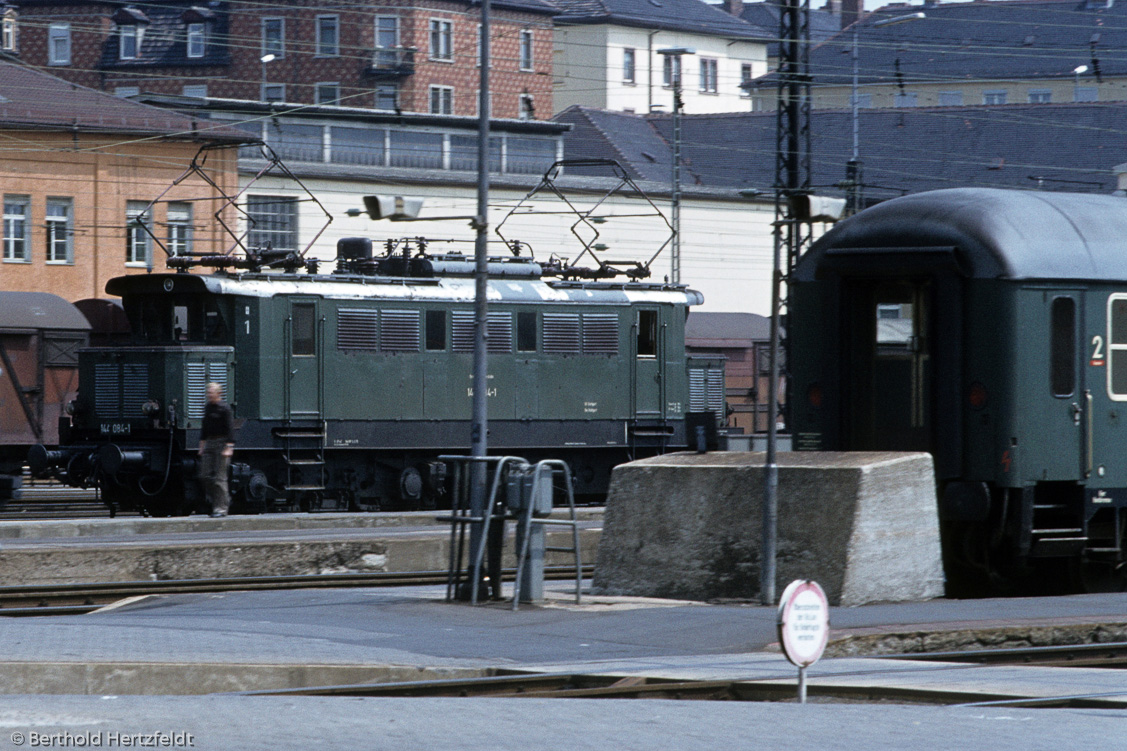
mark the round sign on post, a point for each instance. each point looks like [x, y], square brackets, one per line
[804, 626]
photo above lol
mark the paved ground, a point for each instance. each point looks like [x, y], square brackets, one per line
[97, 680]
[226, 723]
[169, 645]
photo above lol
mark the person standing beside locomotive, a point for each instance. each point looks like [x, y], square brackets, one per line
[217, 444]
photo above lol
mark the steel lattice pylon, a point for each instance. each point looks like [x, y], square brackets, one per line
[792, 180]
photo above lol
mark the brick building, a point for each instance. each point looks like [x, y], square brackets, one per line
[80, 170]
[385, 54]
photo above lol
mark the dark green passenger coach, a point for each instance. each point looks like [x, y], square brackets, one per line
[989, 328]
[346, 387]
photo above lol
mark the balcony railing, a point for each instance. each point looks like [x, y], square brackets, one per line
[392, 61]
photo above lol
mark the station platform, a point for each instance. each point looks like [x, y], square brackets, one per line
[188, 669]
[199, 547]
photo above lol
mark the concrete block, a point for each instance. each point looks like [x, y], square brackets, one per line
[863, 525]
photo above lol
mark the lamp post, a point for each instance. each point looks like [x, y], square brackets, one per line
[853, 176]
[675, 53]
[267, 58]
[1076, 73]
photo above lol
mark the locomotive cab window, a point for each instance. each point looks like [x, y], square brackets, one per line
[526, 332]
[304, 332]
[1116, 347]
[647, 333]
[436, 330]
[167, 319]
[1062, 346]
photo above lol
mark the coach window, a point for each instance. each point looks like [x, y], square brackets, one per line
[647, 333]
[436, 330]
[526, 332]
[1062, 348]
[304, 335]
[1116, 347]
[894, 328]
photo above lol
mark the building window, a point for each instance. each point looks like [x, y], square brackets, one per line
[994, 97]
[196, 90]
[126, 91]
[1085, 94]
[387, 96]
[8, 33]
[59, 230]
[196, 40]
[1040, 96]
[950, 99]
[180, 229]
[628, 66]
[745, 79]
[387, 41]
[708, 75]
[129, 41]
[273, 92]
[442, 40]
[328, 37]
[442, 100]
[864, 101]
[138, 250]
[58, 44]
[527, 108]
[328, 93]
[272, 222]
[274, 37]
[526, 49]
[670, 70]
[15, 228]
[905, 99]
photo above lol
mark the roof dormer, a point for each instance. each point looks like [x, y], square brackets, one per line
[131, 24]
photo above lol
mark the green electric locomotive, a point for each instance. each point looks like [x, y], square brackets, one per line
[347, 386]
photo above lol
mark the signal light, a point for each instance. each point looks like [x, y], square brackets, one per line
[814, 395]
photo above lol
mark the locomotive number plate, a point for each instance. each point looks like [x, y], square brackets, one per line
[115, 428]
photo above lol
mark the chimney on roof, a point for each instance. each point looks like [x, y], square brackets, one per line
[735, 7]
[850, 12]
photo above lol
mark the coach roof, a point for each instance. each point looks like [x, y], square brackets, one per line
[982, 233]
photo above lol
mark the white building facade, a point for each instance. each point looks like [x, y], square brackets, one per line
[609, 56]
[621, 68]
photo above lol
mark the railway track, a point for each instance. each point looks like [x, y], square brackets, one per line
[1108, 655]
[78, 599]
[515, 684]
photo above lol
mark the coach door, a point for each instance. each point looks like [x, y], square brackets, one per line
[303, 359]
[889, 374]
[648, 363]
[1062, 404]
